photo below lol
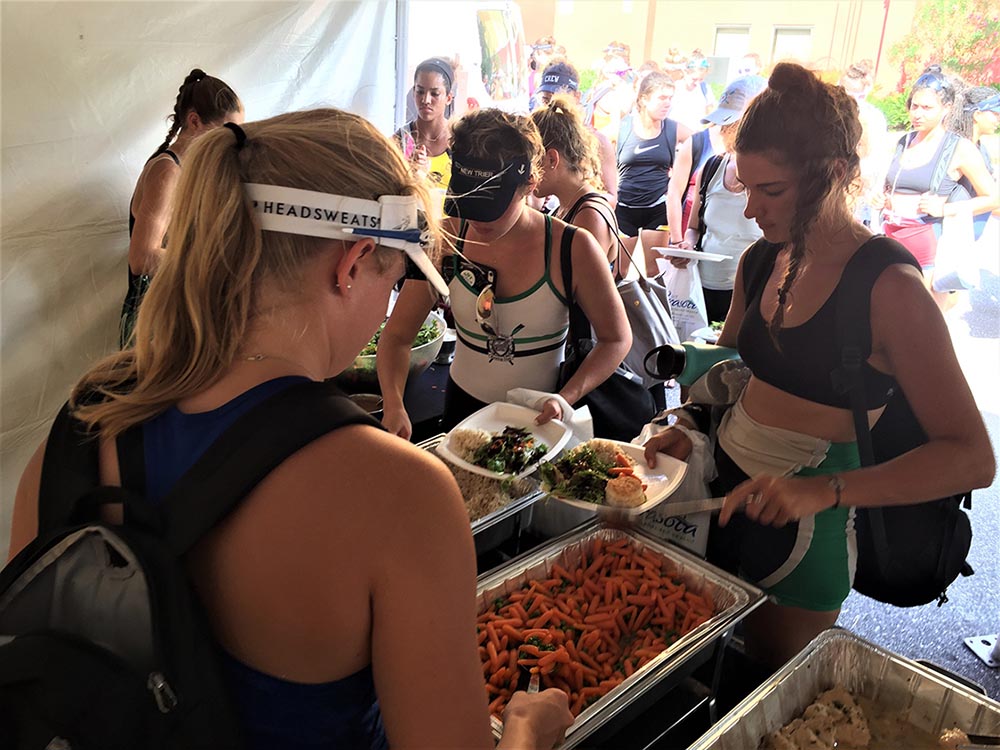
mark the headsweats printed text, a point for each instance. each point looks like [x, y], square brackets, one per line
[343, 218]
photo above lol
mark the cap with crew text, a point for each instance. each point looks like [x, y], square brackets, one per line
[559, 77]
[735, 99]
[482, 189]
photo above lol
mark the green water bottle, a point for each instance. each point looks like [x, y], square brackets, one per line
[685, 362]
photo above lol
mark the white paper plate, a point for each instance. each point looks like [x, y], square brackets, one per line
[661, 482]
[494, 418]
[707, 334]
[680, 252]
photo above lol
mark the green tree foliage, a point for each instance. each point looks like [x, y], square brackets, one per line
[893, 106]
[963, 36]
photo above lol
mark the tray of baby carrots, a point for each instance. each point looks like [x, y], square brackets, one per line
[603, 614]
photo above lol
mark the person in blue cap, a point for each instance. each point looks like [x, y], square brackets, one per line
[562, 78]
[717, 223]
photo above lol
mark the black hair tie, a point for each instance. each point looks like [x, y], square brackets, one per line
[241, 137]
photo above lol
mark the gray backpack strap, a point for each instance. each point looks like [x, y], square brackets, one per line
[951, 141]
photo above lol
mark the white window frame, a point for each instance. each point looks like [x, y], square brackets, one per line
[808, 29]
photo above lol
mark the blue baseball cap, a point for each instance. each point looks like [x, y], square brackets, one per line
[735, 100]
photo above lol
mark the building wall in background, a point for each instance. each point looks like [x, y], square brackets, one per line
[833, 33]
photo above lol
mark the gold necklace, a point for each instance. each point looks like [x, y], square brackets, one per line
[424, 137]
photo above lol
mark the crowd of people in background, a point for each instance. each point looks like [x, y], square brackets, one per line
[786, 178]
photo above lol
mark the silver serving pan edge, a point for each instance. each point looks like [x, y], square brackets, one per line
[925, 698]
[509, 510]
[733, 599]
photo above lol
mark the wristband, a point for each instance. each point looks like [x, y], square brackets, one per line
[836, 483]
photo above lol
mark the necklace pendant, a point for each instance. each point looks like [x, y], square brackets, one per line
[256, 357]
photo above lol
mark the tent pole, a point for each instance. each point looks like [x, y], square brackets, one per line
[402, 60]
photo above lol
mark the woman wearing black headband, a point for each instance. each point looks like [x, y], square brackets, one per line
[203, 103]
[507, 293]
[424, 140]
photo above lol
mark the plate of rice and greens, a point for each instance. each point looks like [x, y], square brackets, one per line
[502, 441]
[611, 474]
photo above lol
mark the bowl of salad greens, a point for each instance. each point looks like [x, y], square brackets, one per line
[361, 375]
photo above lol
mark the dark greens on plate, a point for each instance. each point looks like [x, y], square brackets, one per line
[510, 452]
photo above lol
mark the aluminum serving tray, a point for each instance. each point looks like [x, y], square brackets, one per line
[510, 510]
[733, 600]
[925, 698]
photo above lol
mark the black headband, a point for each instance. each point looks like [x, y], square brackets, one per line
[441, 67]
[241, 137]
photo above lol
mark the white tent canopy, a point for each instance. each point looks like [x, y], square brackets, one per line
[86, 87]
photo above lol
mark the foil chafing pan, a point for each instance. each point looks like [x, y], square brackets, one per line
[733, 600]
[923, 697]
[508, 511]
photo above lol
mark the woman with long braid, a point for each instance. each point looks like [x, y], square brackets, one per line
[203, 103]
[787, 452]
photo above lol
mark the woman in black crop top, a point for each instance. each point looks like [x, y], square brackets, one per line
[787, 452]
[203, 103]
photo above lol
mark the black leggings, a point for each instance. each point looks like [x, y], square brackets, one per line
[631, 220]
[717, 303]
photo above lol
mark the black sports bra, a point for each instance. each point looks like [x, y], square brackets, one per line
[809, 352]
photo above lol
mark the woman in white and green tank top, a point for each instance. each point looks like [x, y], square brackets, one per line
[508, 251]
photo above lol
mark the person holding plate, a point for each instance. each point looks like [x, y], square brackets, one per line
[718, 224]
[787, 451]
[505, 284]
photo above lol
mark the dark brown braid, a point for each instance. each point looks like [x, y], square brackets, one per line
[210, 97]
[813, 126]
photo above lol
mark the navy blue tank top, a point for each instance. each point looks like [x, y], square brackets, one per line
[809, 352]
[274, 713]
[644, 165]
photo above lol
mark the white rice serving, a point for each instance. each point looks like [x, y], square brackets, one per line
[483, 495]
[465, 443]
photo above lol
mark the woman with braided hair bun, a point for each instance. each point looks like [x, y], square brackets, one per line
[203, 103]
[787, 452]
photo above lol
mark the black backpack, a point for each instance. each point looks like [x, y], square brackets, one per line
[907, 554]
[103, 642]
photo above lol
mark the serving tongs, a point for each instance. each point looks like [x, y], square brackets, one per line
[980, 742]
[532, 687]
[623, 519]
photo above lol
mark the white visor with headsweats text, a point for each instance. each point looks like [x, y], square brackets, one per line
[392, 220]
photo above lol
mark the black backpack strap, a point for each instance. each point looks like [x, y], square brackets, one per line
[70, 471]
[854, 338]
[579, 326]
[248, 451]
[758, 262]
[707, 174]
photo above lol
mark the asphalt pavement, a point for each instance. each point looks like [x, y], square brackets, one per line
[935, 633]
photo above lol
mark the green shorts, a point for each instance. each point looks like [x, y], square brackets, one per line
[809, 564]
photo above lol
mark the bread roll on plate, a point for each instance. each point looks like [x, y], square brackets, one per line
[625, 492]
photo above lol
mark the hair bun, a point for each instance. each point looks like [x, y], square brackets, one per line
[933, 69]
[791, 78]
[194, 76]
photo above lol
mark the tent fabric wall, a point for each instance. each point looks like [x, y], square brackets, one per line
[86, 88]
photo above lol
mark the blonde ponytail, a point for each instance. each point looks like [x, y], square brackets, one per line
[195, 317]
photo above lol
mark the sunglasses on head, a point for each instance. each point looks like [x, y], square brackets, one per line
[934, 81]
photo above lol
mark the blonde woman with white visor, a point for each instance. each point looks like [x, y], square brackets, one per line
[336, 628]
